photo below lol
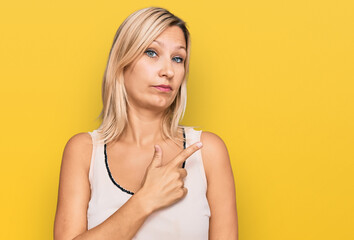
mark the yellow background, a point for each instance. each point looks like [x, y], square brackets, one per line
[274, 79]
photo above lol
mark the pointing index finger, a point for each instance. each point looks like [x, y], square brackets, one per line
[186, 153]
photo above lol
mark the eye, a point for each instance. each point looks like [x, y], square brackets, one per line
[151, 53]
[178, 59]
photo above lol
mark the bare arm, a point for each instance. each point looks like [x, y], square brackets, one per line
[160, 188]
[123, 224]
[221, 194]
[74, 195]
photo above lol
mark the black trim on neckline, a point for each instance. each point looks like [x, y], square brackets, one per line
[110, 174]
[184, 145]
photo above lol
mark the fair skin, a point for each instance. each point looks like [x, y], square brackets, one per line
[161, 64]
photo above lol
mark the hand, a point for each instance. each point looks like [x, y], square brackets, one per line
[163, 185]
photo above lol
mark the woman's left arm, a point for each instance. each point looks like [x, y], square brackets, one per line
[221, 193]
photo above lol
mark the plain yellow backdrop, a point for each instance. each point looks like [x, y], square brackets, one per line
[274, 79]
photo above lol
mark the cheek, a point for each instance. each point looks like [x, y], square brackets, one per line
[138, 77]
[145, 67]
[179, 76]
[182, 71]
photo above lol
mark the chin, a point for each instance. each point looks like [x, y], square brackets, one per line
[160, 101]
[159, 106]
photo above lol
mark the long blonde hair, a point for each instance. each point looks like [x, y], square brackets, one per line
[132, 38]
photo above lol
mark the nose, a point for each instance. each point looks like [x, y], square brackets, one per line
[166, 69]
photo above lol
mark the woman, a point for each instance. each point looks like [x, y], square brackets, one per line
[141, 175]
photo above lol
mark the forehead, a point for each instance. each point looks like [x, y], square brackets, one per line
[172, 36]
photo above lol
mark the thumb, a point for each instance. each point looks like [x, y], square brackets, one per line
[157, 158]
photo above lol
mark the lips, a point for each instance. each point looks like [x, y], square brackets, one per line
[163, 88]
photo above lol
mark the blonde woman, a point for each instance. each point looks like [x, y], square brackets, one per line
[141, 175]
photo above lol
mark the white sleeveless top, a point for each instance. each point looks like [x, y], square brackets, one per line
[187, 219]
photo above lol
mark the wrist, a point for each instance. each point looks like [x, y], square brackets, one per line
[143, 202]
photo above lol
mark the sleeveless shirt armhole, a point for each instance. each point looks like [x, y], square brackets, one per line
[93, 135]
[199, 152]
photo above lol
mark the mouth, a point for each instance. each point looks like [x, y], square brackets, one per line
[163, 88]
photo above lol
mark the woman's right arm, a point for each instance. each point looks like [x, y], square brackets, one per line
[161, 187]
[74, 194]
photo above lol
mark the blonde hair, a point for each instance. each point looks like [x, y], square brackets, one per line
[132, 38]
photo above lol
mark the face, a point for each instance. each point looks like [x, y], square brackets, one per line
[152, 81]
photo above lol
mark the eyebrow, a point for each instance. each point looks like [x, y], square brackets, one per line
[161, 43]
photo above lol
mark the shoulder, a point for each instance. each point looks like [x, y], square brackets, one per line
[214, 153]
[212, 143]
[211, 138]
[82, 139]
[78, 150]
[79, 143]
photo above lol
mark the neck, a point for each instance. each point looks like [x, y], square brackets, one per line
[143, 128]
